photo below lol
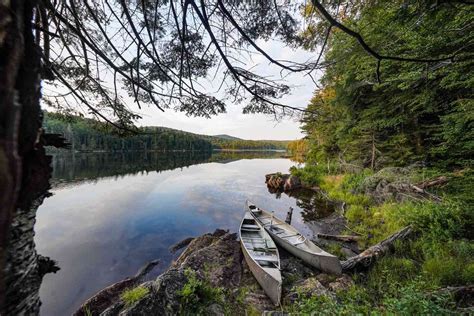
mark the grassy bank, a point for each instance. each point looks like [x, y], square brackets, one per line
[414, 279]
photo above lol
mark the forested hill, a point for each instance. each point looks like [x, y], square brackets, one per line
[89, 135]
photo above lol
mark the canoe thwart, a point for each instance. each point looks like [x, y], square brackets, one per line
[265, 258]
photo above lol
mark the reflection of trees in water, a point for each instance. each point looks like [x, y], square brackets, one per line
[70, 168]
[229, 156]
[79, 167]
[314, 205]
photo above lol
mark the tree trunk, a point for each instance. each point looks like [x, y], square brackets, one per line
[24, 167]
[366, 259]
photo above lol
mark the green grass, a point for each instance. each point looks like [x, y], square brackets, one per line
[131, 296]
[406, 282]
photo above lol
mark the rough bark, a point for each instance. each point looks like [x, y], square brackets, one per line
[11, 49]
[367, 258]
[24, 167]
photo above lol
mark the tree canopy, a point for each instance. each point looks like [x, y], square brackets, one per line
[379, 112]
[101, 53]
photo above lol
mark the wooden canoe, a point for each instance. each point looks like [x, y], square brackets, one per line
[294, 242]
[262, 257]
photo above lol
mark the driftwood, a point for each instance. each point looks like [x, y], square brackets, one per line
[344, 238]
[432, 182]
[367, 258]
[425, 193]
[104, 298]
[353, 231]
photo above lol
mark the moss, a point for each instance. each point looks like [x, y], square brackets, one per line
[131, 296]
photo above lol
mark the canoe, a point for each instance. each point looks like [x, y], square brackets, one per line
[262, 257]
[294, 242]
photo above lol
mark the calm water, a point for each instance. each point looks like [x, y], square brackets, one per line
[111, 213]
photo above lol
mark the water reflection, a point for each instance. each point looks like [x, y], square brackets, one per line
[73, 168]
[313, 205]
[110, 213]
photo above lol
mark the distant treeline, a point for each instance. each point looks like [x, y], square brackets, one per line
[238, 144]
[89, 135]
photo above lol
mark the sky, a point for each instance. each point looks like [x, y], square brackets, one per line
[233, 122]
[246, 126]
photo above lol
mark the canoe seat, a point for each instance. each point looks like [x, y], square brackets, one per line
[264, 249]
[265, 258]
[250, 227]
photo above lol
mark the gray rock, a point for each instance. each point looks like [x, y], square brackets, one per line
[215, 310]
[163, 297]
[307, 288]
[343, 283]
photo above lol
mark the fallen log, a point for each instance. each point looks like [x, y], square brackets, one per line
[432, 182]
[424, 193]
[367, 258]
[343, 238]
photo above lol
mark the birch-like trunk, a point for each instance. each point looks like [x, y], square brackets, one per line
[24, 167]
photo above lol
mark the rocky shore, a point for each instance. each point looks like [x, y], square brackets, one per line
[214, 264]
[211, 277]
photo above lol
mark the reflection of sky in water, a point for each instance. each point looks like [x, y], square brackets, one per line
[103, 231]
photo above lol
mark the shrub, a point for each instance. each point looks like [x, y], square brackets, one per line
[197, 294]
[387, 272]
[411, 300]
[449, 263]
[439, 221]
[309, 175]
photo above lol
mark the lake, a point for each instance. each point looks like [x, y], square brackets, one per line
[110, 213]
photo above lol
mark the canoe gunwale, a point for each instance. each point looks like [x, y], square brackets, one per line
[271, 285]
[321, 260]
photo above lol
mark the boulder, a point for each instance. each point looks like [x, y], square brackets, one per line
[292, 183]
[215, 258]
[279, 182]
[343, 283]
[306, 288]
